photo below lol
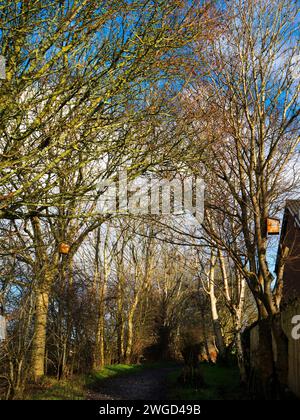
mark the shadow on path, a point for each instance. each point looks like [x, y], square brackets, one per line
[150, 384]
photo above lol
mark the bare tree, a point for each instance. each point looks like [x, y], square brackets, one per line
[253, 93]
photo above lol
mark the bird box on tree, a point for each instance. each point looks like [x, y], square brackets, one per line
[64, 248]
[273, 226]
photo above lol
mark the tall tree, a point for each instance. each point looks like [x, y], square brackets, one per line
[253, 93]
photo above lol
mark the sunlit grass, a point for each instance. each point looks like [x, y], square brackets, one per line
[76, 388]
[111, 371]
[53, 389]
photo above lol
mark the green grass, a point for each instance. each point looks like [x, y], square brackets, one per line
[111, 371]
[77, 387]
[221, 383]
[52, 389]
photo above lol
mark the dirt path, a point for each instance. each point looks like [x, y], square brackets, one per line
[149, 384]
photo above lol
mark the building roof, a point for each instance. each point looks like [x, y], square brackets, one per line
[290, 236]
[294, 208]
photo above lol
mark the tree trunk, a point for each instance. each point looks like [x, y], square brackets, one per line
[129, 337]
[39, 338]
[100, 288]
[120, 340]
[99, 343]
[129, 345]
[214, 311]
[45, 273]
[280, 355]
[120, 323]
[238, 315]
[240, 356]
[205, 334]
[219, 336]
[265, 361]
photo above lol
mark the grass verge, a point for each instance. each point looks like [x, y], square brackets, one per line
[53, 389]
[221, 383]
[76, 388]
